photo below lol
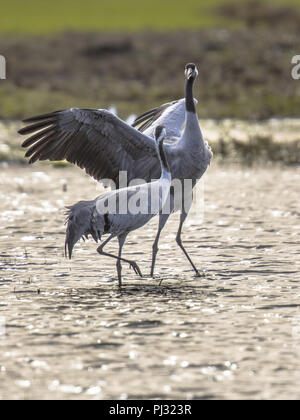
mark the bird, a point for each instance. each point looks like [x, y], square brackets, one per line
[119, 212]
[105, 146]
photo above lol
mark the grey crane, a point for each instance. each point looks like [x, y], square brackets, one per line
[104, 215]
[104, 145]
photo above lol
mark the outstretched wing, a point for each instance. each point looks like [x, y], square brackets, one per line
[95, 140]
[171, 115]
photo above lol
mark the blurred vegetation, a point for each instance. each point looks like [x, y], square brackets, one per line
[243, 51]
[243, 73]
[272, 141]
[34, 16]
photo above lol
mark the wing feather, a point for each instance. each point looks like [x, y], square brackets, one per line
[171, 115]
[34, 127]
[95, 140]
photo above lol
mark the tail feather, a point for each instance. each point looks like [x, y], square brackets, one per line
[79, 221]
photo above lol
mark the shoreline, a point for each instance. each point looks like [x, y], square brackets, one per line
[233, 141]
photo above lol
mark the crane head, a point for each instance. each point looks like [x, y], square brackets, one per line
[191, 71]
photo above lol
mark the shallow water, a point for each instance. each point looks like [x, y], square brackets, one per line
[67, 332]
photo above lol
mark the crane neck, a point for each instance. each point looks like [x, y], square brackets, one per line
[163, 160]
[189, 97]
[192, 138]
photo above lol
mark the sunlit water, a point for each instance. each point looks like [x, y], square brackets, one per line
[67, 332]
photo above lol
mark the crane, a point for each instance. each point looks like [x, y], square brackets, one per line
[104, 145]
[103, 215]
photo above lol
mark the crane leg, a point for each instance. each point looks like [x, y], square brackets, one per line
[183, 216]
[132, 264]
[121, 240]
[162, 221]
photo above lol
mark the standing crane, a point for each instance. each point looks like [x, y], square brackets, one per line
[103, 215]
[103, 145]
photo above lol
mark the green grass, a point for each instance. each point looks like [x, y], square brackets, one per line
[34, 16]
[44, 17]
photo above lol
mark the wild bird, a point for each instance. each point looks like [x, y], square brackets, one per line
[103, 145]
[104, 215]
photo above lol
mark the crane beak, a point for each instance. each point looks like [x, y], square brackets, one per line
[189, 73]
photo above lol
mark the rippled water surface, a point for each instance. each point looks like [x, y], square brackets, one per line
[67, 332]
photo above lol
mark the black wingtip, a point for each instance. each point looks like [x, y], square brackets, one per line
[28, 129]
[40, 117]
[22, 130]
